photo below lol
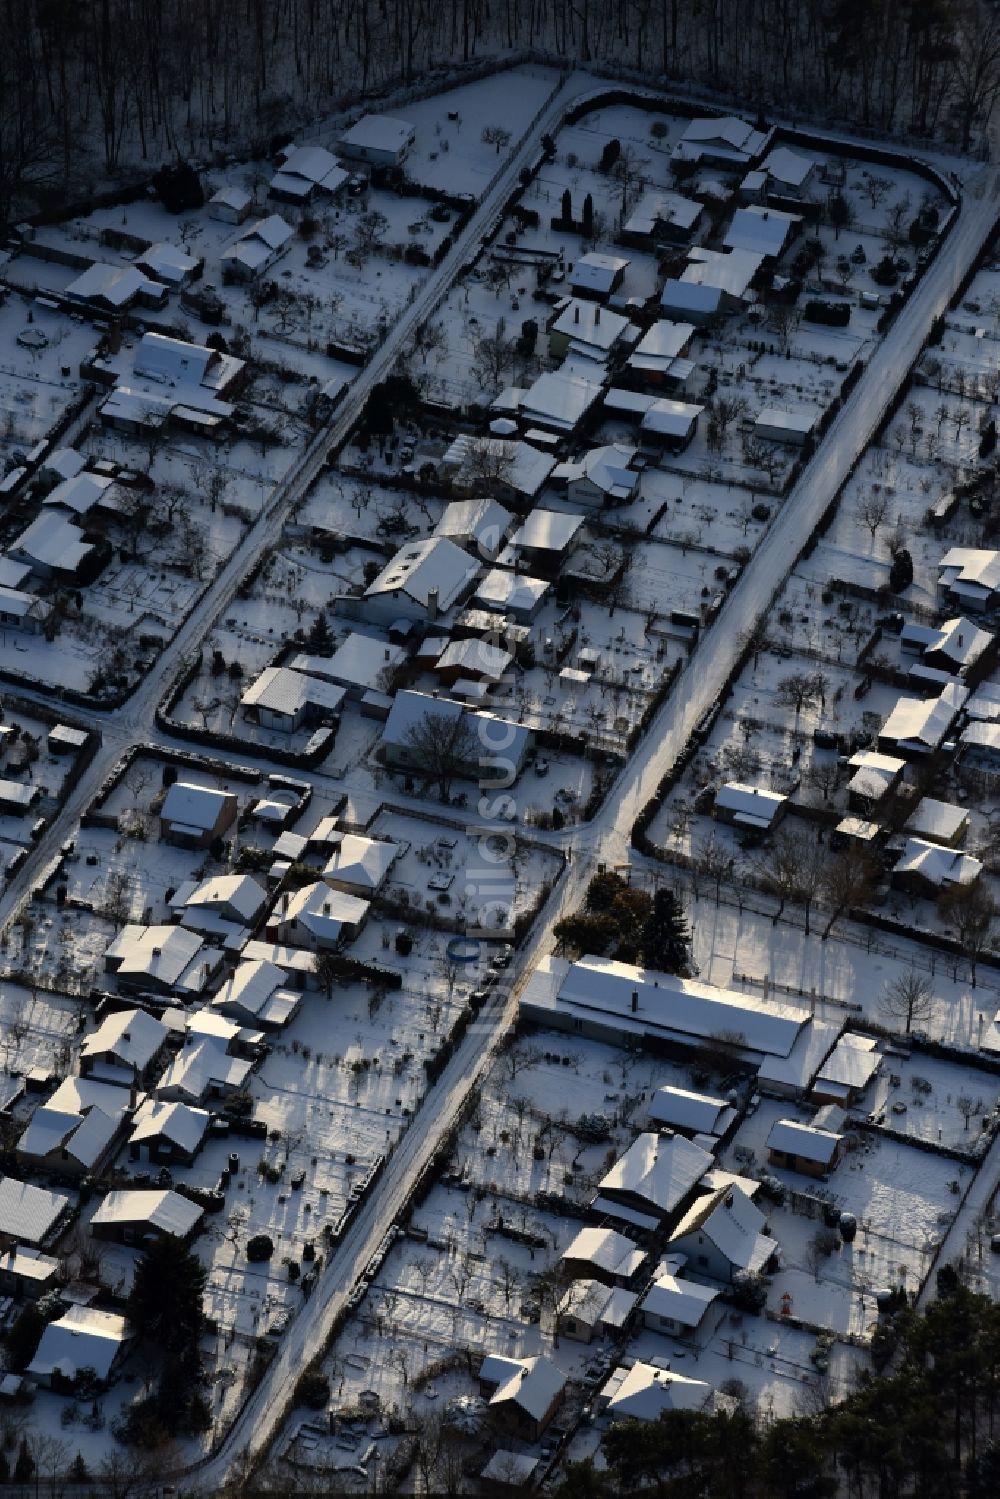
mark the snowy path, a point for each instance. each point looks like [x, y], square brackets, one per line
[607, 837]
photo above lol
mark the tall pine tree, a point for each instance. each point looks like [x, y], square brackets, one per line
[666, 936]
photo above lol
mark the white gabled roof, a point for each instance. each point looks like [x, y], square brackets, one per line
[939, 866]
[360, 862]
[597, 272]
[684, 1301]
[924, 721]
[162, 952]
[764, 231]
[547, 530]
[587, 322]
[200, 1064]
[167, 262]
[282, 689]
[606, 1249]
[787, 166]
[193, 806]
[322, 910]
[132, 1035]
[729, 129]
[657, 1169]
[560, 398]
[481, 520]
[731, 271]
[184, 1126]
[306, 167]
[241, 891]
[794, 1138]
[971, 567]
[669, 418]
[502, 589]
[82, 1338]
[532, 1387]
[854, 1060]
[53, 541]
[422, 568]
[116, 284]
[750, 804]
[644, 1392]
[730, 1221]
[28, 1213]
[786, 421]
[936, 821]
[659, 207]
[684, 1110]
[378, 133]
[690, 296]
[80, 493]
[232, 197]
[167, 1212]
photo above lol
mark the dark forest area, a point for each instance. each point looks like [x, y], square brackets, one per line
[91, 89]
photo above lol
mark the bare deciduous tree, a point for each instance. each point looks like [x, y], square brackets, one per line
[909, 998]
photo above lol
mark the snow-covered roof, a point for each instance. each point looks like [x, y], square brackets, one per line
[940, 822]
[179, 1123]
[592, 1302]
[502, 589]
[81, 1134]
[923, 722]
[133, 1036]
[658, 1170]
[200, 1065]
[764, 231]
[547, 530]
[305, 168]
[659, 207]
[434, 567]
[28, 1264]
[598, 990]
[852, 1063]
[940, 867]
[28, 1213]
[66, 462]
[779, 420]
[159, 952]
[82, 1338]
[525, 467]
[560, 398]
[587, 322]
[532, 1388]
[751, 805]
[874, 774]
[660, 348]
[193, 806]
[481, 520]
[257, 987]
[474, 656]
[259, 242]
[644, 1392]
[606, 1250]
[690, 296]
[971, 569]
[597, 273]
[322, 910]
[691, 1111]
[792, 1137]
[788, 167]
[281, 689]
[118, 285]
[168, 263]
[728, 129]
[960, 642]
[730, 1221]
[51, 540]
[378, 133]
[668, 418]
[80, 493]
[684, 1301]
[360, 862]
[731, 271]
[165, 1211]
[16, 604]
[513, 1469]
[356, 662]
[232, 197]
[982, 735]
[608, 467]
[241, 891]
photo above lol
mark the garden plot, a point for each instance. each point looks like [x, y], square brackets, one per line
[37, 383]
[929, 1100]
[348, 505]
[694, 512]
[37, 1027]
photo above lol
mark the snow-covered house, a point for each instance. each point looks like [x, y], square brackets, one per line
[361, 662]
[231, 205]
[676, 1306]
[516, 471]
[789, 173]
[804, 1147]
[875, 777]
[160, 959]
[846, 1072]
[171, 265]
[193, 816]
[544, 541]
[285, 700]
[721, 1234]
[31, 1215]
[23, 611]
[690, 1113]
[763, 231]
[479, 525]
[588, 1307]
[472, 660]
[730, 272]
[377, 140]
[723, 139]
[662, 217]
[980, 747]
[422, 581]
[305, 172]
[236, 898]
[604, 475]
[587, 329]
[917, 727]
[127, 1048]
[969, 578]
[257, 249]
[27, 1273]
[659, 358]
[359, 865]
[202, 1069]
[493, 735]
[559, 400]
[749, 806]
[168, 379]
[82, 1338]
[597, 276]
[603, 1254]
[645, 1392]
[690, 302]
[526, 1400]
[958, 647]
[115, 288]
[938, 822]
[84, 493]
[167, 1134]
[78, 1130]
[790, 427]
[649, 1183]
[514, 595]
[670, 424]
[137, 1217]
[318, 917]
[258, 994]
[928, 869]
[53, 547]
